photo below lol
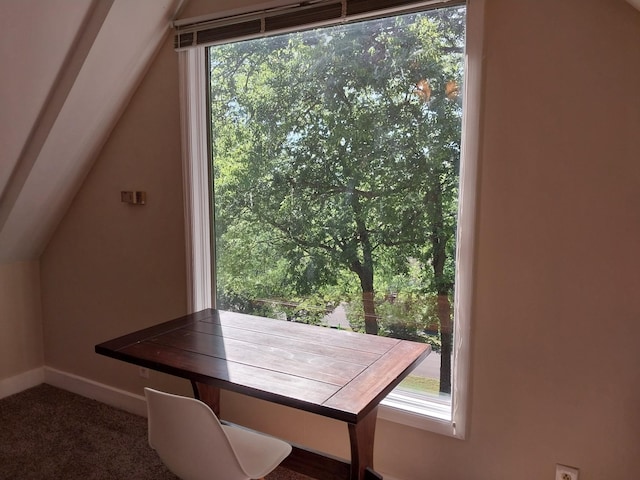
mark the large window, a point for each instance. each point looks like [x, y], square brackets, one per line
[335, 183]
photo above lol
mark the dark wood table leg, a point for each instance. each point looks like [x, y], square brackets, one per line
[208, 394]
[362, 435]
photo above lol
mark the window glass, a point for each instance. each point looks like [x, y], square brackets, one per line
[335, 180]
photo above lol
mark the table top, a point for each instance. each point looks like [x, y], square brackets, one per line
[335, 373]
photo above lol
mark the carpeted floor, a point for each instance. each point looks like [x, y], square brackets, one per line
[51, 434]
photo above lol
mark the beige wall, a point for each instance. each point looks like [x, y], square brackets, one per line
[556, 317]
[112, 267]
[20, 319]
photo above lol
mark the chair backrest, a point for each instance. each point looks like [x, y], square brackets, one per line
[189, 438]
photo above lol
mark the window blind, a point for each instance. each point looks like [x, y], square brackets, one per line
[216, 30]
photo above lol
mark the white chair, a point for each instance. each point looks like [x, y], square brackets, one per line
[194, 445]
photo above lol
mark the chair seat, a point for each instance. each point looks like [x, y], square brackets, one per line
[194, 445]
[257, 453]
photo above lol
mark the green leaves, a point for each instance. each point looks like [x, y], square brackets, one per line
[335, 163]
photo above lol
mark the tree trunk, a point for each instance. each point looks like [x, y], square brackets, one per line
[364, 269]
[365, 274]
[446, 339]
[370, 319]
[443, 287]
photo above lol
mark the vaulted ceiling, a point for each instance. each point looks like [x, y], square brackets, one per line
[68, 69]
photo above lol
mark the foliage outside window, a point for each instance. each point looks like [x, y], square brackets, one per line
[336, 155]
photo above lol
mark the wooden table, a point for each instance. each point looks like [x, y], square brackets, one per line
[338, 374]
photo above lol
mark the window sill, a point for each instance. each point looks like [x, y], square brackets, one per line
[432, 414]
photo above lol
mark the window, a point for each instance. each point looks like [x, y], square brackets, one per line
[335, 167]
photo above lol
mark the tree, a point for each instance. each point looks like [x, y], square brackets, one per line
[339, 150]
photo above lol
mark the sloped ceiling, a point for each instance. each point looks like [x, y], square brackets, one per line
[68, 69]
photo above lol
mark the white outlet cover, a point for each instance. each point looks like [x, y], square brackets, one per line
[564, 472]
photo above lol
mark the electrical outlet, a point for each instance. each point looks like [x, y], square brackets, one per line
[564, 472]
[143, 372]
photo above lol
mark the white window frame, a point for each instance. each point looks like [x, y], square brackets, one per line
[399, 407]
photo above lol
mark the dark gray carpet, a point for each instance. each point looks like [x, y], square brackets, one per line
[50, 434]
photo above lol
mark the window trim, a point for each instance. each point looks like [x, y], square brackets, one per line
[278, 17]
[397, 407]
[195, 177]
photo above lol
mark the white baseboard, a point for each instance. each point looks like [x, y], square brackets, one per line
[23, 381]
[73, 383]
[98, 391]
[387, 477]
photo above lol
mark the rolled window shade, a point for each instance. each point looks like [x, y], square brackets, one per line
[211, 31]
